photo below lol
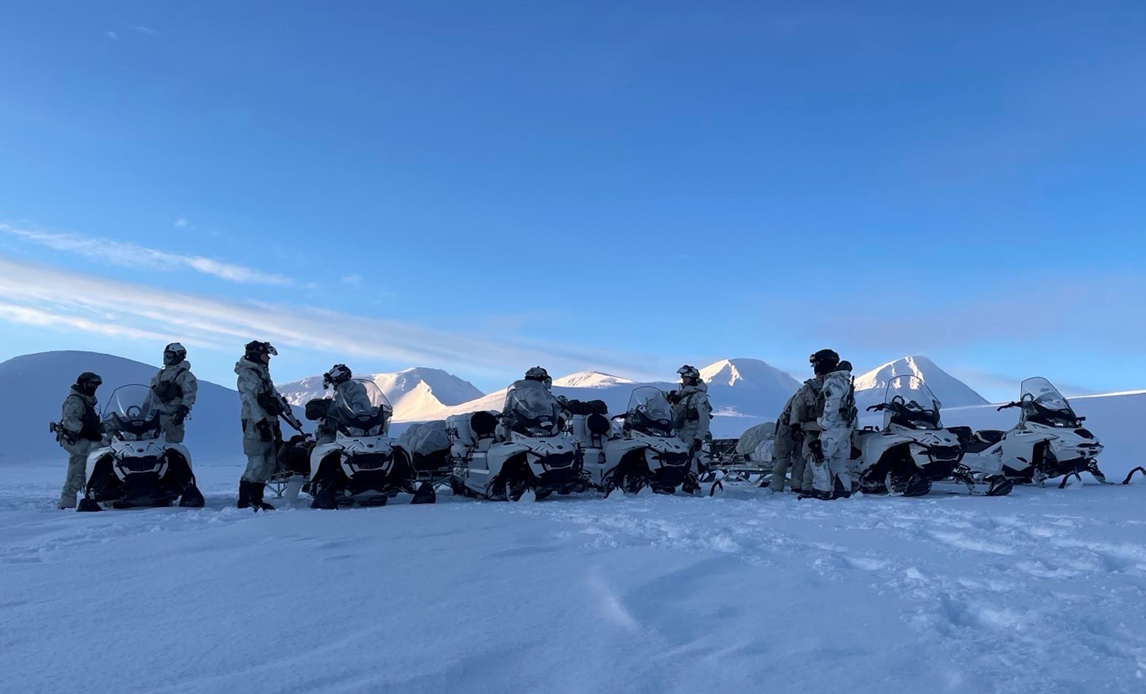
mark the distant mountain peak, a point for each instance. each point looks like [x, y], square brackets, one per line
[590, 379]
[417, 392]
[951, 391]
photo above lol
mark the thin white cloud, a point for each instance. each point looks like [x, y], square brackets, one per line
[352, 280]
[111, 35]
[183, 222]
[145, 30]
[41, 295]
[132, 255]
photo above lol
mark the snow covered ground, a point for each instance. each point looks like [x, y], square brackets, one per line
[1041, 592]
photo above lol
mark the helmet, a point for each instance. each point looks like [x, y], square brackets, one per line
[339, 373]
[687, 372]
[88, 382]
[844, 365]
[823, 362]
[538, 373]
[256, 350]
[173, 354]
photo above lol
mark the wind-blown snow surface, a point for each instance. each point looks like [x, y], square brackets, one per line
[871, 386]
[416, 394]
[1038, 593]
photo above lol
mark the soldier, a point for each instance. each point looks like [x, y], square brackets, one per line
[176, 388]
[78, 432]
[692, 415]
[830, 450]
[261, 407]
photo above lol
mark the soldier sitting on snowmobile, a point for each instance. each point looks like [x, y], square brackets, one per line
[175, 387]
[539, 375]
[692, 415]
[831, 450]
[261, 407]
[353, 395]
[78, 432]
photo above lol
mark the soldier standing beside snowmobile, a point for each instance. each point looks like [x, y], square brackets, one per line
[261, 407]
[692, 414]
[176, 389]
[78, 432]
[804, 427]
[831, 450]
[787, 448]
[351, 392]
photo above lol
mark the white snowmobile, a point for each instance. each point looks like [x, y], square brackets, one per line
[912, 450]
[1048, 442]
[136, 466]
[521, 452]
[643, 451]
[362, 465]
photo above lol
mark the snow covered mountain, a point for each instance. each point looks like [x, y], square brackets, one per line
[951, 391]
[416, 394]
[35, 386]
[744, 392]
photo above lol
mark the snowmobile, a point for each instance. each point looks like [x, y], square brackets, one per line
[1048, 442]
[912, 450]
[644, 451]
[136, 466]
[522, 452]
[362, 465]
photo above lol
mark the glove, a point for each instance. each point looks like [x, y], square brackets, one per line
[696, 444]
[817, 450]
[265, 434]
[181, 413]
[797, 431]
[673, 396]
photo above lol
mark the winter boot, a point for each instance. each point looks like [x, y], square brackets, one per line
[244, 494]
[257, 497]
[67, 501]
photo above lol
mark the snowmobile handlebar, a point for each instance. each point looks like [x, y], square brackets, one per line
[877, 408]
[1009, 405]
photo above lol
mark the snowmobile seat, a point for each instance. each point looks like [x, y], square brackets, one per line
[964, 434]
[989, 436]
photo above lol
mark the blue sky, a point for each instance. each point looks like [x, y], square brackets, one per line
[620, 186]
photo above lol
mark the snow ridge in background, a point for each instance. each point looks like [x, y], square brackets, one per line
[34, 387]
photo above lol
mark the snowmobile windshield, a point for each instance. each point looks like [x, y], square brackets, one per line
[360, 408]
[649, 412]
[132, 412]
[530, 409]
[1043, 404]
[908, 402]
